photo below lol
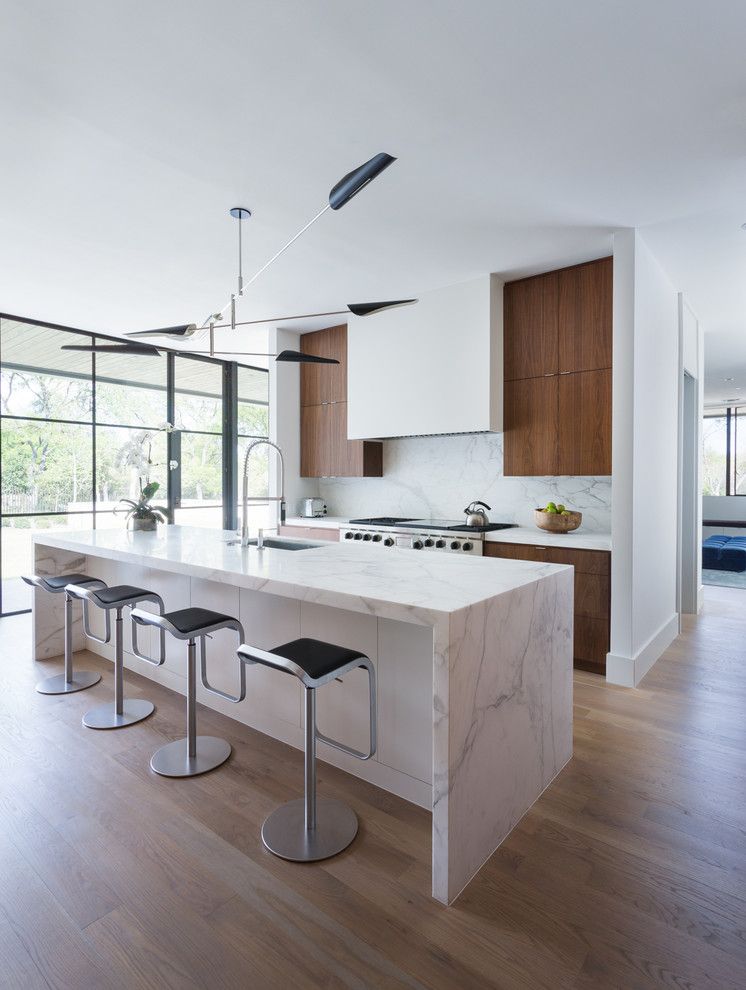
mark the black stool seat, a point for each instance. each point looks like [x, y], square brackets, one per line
[191, 620]
[316, 658]
[117, 593]
[58, 583]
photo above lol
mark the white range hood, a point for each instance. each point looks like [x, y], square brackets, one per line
[428, 369]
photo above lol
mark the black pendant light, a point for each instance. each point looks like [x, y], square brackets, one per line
[368, 309]
[297, 357]
[184, 330]
[123, 348]
[339, 195]
[351, 184]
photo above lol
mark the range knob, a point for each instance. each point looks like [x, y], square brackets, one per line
[388, 542]
[358, 536]
[417, 544]
[376, 537]
[367, 537]
[468, 546]
[428, 543]
[348, 536]
[455, 545]
[440, 544]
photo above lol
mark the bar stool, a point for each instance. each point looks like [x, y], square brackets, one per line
[123, 711]
[308, 829]
[70, 681]
[195, 754]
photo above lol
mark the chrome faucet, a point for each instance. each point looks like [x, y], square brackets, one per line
[280, 499]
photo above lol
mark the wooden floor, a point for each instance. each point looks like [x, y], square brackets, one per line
[630, 871]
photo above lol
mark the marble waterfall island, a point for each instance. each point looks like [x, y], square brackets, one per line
[473, 659]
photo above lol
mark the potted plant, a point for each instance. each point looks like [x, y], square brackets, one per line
[145, 517]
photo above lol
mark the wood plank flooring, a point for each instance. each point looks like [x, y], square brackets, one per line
[630, 872]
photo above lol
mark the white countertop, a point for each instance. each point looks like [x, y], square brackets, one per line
[538, 538]
[398, 583]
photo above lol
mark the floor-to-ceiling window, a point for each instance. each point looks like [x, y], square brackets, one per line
[78, 432]
[46, 446]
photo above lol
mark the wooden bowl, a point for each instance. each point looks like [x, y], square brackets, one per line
[554, 523]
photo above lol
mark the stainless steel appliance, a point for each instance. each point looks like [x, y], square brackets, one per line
[441, 535]
[312, 508]
[476, 516]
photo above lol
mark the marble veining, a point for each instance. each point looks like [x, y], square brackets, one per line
[437, 476]
[49, 620]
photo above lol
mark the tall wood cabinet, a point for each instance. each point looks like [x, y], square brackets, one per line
[557, 367]
[325, 450]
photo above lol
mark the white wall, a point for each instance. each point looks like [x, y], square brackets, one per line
[644, 461]
[439, 476]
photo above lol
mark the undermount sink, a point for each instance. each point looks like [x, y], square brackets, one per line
[278, 543]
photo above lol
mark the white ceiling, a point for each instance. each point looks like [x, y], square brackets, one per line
[526, 133]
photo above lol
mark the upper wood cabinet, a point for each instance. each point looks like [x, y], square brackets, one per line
[585, 423]
[324, 382]
[557, 350]
[530, 310]
[325, 450]
[584, 316]
[531, 410]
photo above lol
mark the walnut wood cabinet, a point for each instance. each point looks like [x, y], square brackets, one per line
[557, 360]
[325, 450]
[592, 609]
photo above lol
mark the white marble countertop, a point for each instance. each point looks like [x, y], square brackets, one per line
[320, 522]
[399, 584]
[537, 537]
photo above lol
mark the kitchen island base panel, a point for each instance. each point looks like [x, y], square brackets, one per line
[474, 704]
[505, 728]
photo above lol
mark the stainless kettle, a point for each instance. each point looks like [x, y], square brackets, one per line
[476, 516]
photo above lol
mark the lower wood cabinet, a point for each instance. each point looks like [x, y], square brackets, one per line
[592, 609]
[325, 450]
[311, 533]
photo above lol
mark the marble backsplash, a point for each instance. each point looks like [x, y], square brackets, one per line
[438, 476]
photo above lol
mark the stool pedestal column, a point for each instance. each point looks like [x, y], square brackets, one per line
[195, 754]
[123, 711]
[310, 828]
[69, 682]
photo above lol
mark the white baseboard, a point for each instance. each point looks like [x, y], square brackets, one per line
[629, 671]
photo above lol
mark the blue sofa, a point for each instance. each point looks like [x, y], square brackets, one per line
[724, 553]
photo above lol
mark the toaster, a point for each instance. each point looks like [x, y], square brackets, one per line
[312, 508]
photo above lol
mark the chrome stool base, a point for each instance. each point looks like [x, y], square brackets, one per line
[59, 684]
[106, 716]
[285, 834]
[173, 760]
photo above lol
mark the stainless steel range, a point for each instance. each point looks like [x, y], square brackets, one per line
[441, 535]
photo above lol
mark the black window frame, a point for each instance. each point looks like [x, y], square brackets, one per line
[229, 432]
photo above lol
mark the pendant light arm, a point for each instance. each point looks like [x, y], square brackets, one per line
[265, 266]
